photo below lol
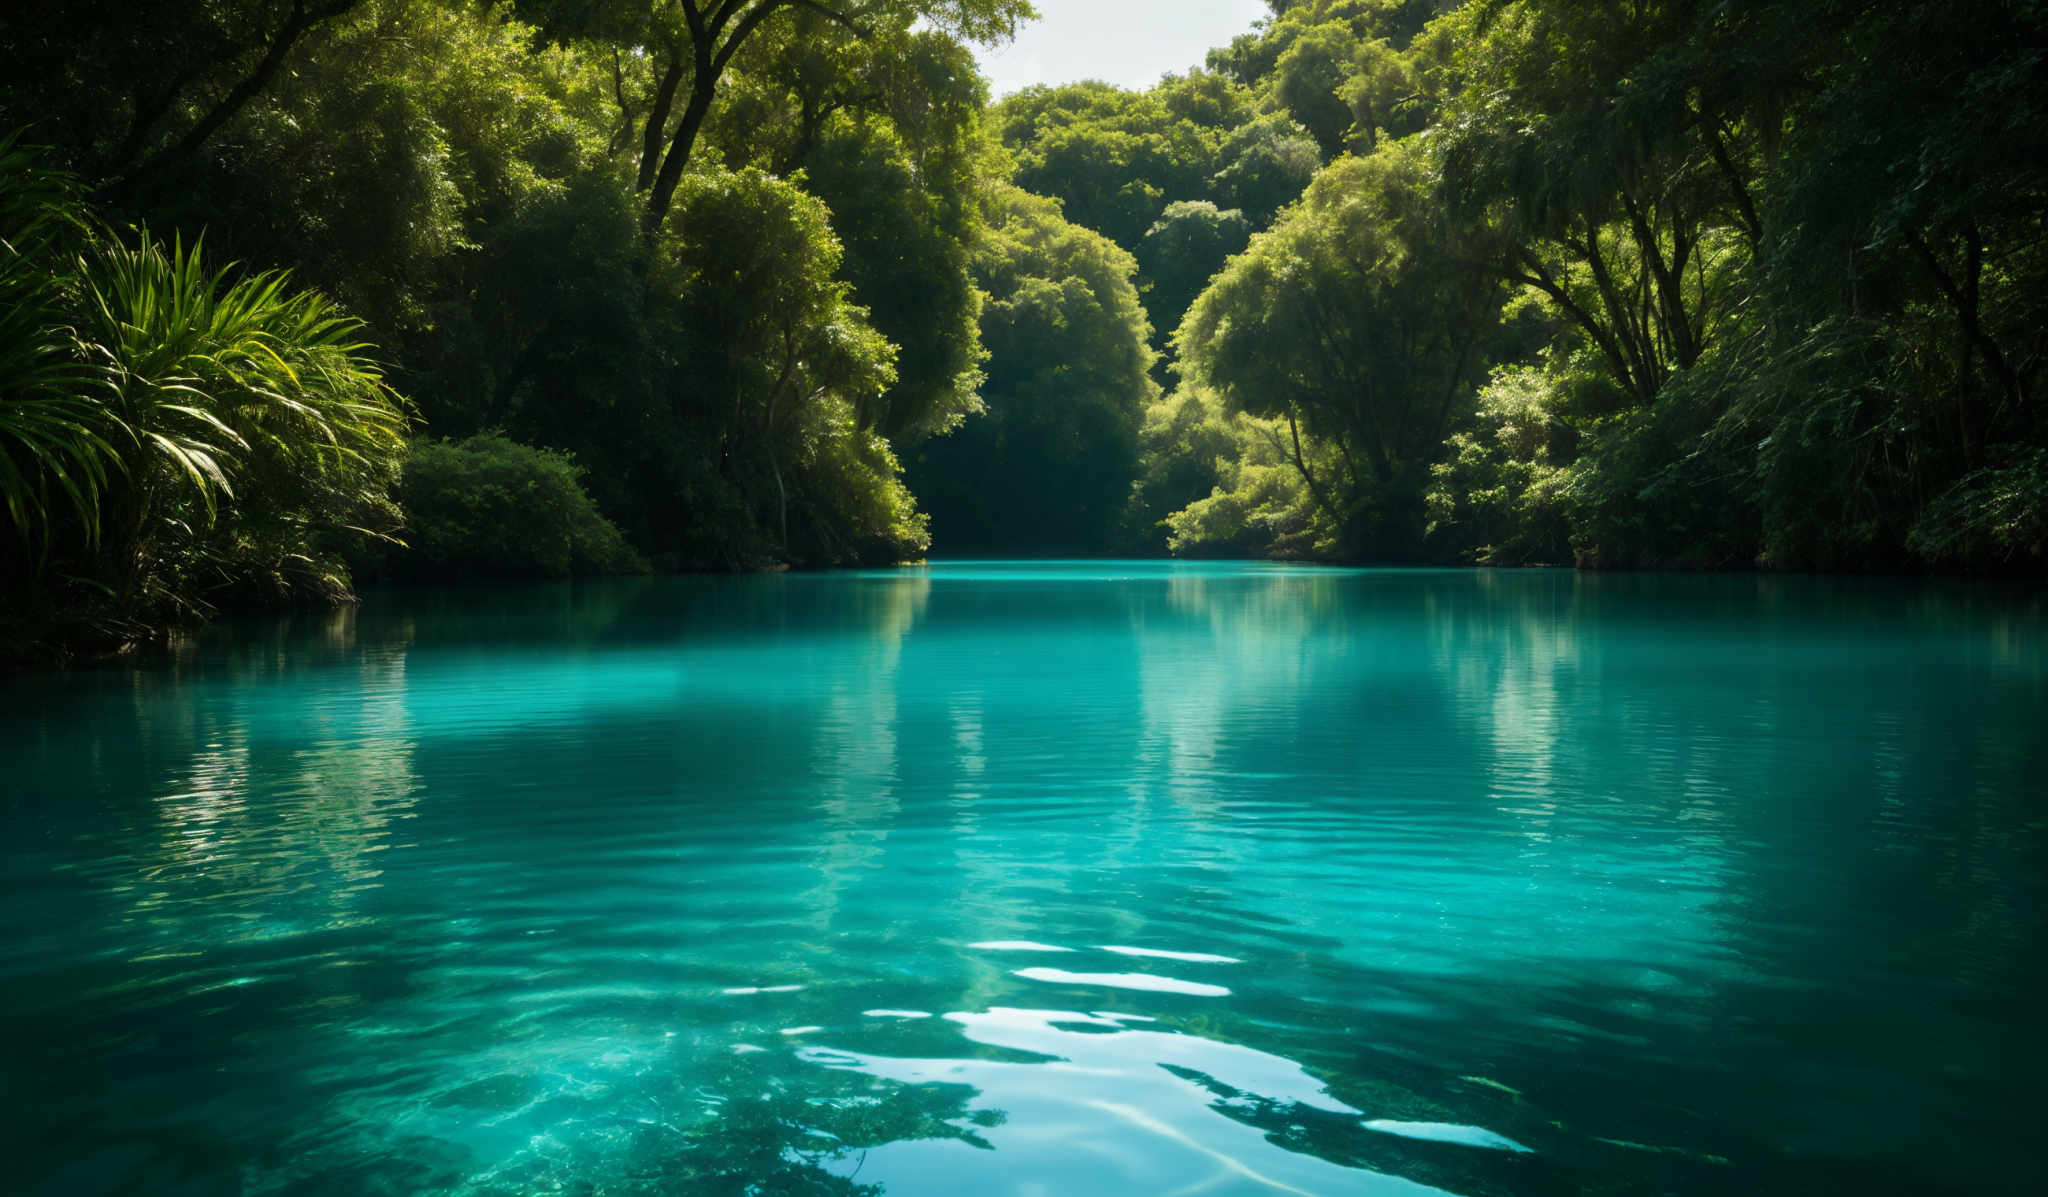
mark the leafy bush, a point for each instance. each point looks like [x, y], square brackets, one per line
[170, 436]
[1185, 446]
[1261, 504]
[1995, 519]
[1495, 498]
[487, 507]
[1650, 492]
[254, 436]
[858, 509]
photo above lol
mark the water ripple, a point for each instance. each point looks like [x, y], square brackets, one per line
[1461, 881]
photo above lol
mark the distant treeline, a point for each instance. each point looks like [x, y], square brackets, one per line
[590, 285]
[1755, 283]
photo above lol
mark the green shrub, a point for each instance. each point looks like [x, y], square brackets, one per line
[1185, 447]
[172, 436]
[1994, 520]
[487, 507]
[1260, 506]
[859, 512]
[1494, 499]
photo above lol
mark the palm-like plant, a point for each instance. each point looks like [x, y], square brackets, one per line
[158, 418]
[55, 459]
[212, 386]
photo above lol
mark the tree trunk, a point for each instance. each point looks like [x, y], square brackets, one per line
[656, 132]
[294, 28]
[671, 174]
[1315, 489]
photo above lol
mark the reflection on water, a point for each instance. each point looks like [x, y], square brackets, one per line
[1060, 878]
[1104, 1095]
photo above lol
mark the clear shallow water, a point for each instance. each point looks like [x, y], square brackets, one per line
[1060, 878]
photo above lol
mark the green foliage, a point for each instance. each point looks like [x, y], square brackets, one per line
[1205, 99]
[1497, 497]
[1907, 279]
[1189, 446]
[214, 436]
[1261, 504]
[550, 337]
[785, 359]
[54, 458]
[1309, 79]
[1050, 466]
[1651, 493]
[1144, 168]
[1182, 251]
[407, 134]
[1611, 205]
[1381, 91]
[1784, 261]
[129, 90]
[487, 507]
[1265, 165]
[454, 174]
[1113, 158]
[1996, 516]
[1774, 275]
[907, 261]
[1354, 322]
[236, 398]
[1252, 58]
[684, 53]
[887, 131]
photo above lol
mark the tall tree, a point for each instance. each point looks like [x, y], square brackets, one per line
[1575, 135]
[1113, 158]
[887, 131]
[131, 97]
[1181, 252]
[1354, 322]
[1049, 466]
[691, 44]
[784, 358]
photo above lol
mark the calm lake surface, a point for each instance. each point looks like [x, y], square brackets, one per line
[1047, 878]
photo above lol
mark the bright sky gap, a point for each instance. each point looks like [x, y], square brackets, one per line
[1130, 43]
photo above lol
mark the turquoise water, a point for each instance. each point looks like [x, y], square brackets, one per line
[1056, 878]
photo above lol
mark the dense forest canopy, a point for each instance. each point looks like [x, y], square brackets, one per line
[291, 285]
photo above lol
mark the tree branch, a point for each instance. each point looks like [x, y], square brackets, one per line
[295, 27]
[1966, 315]
[1539, 277]
[1315, 489]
